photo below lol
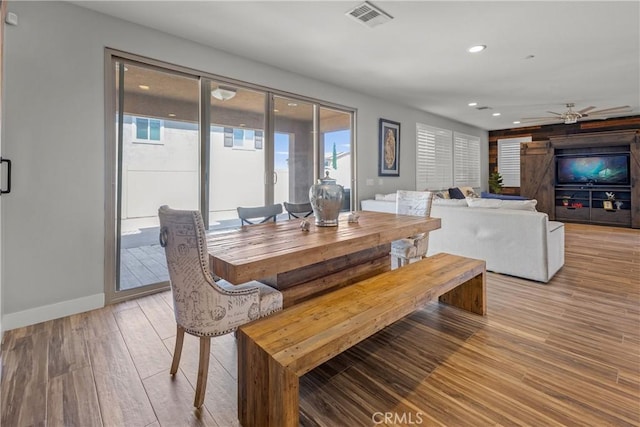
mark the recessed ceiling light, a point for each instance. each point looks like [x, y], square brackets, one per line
[171, 115]
[477, 48]
[472, 104]
[495, 114]
[242, 125]
[292, 104]
[143, 87]
[516, 122]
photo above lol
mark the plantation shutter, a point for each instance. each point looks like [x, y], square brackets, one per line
[509, 160]
[433, 158]
[466, 160]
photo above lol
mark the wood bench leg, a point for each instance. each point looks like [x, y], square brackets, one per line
[268, 393]
[470, 296]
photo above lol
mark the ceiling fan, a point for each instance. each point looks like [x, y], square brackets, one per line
[572, 116]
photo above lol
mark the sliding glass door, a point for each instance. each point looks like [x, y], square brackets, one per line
[237, 146]
[310, 140]
[336, 147]
[158, 163]
[293, 136]
[194, 141]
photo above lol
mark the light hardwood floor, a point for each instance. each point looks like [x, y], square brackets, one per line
[564, 353]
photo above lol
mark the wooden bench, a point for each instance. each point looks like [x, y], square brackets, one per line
[274, 352]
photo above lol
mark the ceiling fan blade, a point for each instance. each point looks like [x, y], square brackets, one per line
[584, 110]
[539, 119]
[611, 110]
[552, 112]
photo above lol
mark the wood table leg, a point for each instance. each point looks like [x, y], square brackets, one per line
[268, 393]
[470, 296]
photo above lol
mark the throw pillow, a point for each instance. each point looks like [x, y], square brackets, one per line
[442, 194]
[455, 193]
[379, 197]
[391, 197]
[468, 192]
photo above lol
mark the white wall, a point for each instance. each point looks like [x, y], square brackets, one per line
[3, 5]
[167, 172]
[53, 221]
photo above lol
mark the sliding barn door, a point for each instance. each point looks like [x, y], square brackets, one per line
[537, 175]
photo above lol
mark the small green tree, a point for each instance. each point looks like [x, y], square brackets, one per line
[495, 182]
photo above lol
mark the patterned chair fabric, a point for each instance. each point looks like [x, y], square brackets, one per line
[416, 203]
[203, 307]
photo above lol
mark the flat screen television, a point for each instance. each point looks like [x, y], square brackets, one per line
[596, 169]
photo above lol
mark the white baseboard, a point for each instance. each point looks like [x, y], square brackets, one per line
[52, 311]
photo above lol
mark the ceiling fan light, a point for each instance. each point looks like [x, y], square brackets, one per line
[223, 93]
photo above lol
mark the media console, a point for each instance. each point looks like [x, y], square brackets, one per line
[587, 204]
[584, 167]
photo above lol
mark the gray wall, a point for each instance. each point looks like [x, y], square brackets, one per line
[53, 221]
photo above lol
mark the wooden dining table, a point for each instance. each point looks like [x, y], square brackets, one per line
[302, 264]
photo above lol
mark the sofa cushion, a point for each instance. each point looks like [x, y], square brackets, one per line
[473, 202]
[378, 206]
[450, 202]
[391, 197]
[456, 193]
[524, 205]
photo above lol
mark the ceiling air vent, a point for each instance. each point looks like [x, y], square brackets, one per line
[369, 15]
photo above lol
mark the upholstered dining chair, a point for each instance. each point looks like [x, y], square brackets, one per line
[203, 307]
[263, 213]
[298, 210]
[416, 203]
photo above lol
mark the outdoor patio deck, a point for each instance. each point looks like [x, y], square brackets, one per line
[141, 266]
[142, 259]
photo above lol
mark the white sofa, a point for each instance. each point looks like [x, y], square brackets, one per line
[516, 242]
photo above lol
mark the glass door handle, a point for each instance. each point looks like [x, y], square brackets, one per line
[275, 177]
[8, 162]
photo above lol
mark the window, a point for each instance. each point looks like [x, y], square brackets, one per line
[246, 139]
[466, 160]
[434, 158]
[509, 160]
[445, 158]
[147, 129]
